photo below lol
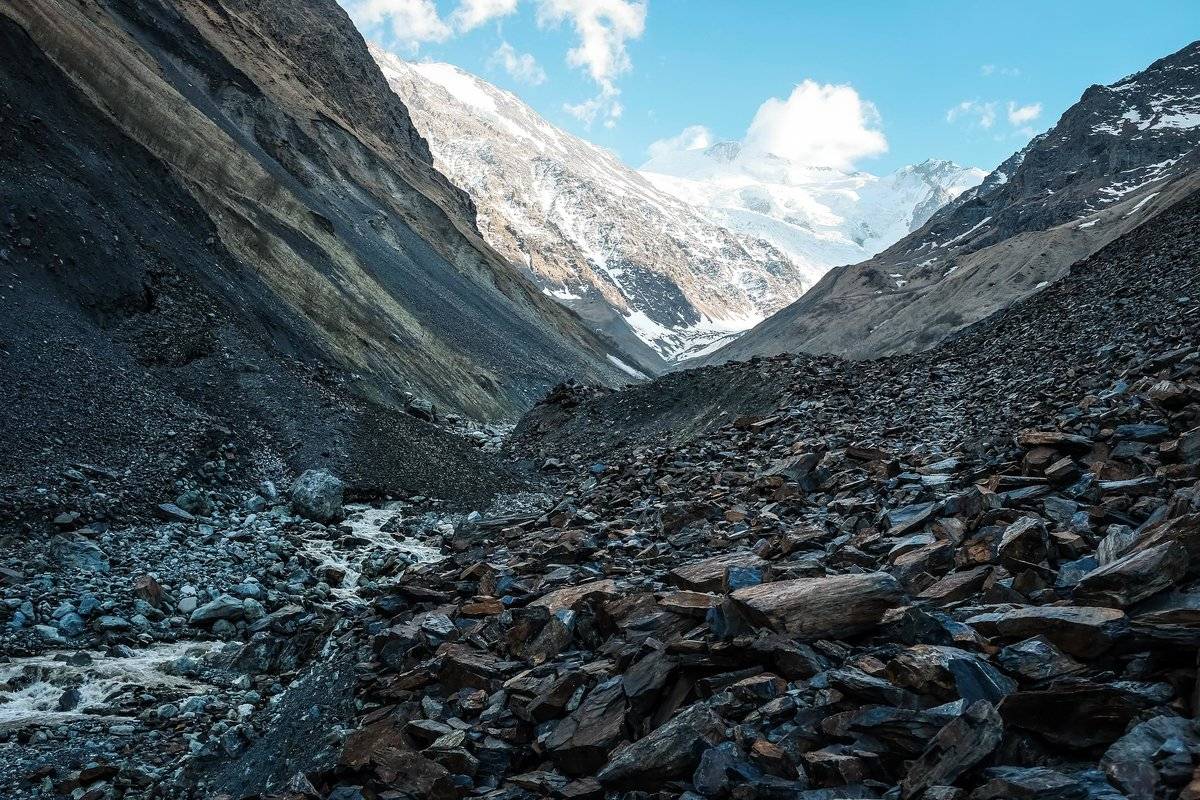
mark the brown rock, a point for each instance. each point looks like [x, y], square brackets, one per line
[1056, 439]
[709, 575]
[571, 597]
[816, 608]
[1082, 631]
[960, 745]
[957, 586]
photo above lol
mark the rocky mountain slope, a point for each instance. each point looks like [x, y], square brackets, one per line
[644, 268]
[964, 573]
[820, 216]
[1115, 158]
[216, 215]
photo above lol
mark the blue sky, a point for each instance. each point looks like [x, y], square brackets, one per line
[970, 81]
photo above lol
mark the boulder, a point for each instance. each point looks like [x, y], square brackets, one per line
[956, 748]
[1081, 631]
[224, 607]
[708, 575]
[317, 495]
[815, 608]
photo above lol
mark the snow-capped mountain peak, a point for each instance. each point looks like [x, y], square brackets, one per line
[674, 260]
[820, 216]
[640, 265]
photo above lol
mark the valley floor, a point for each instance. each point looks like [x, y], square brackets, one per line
[969, 573]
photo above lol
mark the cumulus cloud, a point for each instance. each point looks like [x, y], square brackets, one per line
[819, 125]
[693, 137]
[1022, 115]
[982, 114]
[520, 66]
[603, 28]
[412, 22]
[470, 14]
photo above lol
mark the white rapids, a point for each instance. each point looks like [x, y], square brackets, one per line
[376, 547]
[31, 688]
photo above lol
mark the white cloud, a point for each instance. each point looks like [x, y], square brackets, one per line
[819, 125]
[603, 28]
[693, 137]
[470, 14]
[586, 111]
[521, 66]
[983, 114]
[988, 70]
[412, 22]
[1021, 115]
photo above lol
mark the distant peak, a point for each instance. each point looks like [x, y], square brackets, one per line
[724, 151]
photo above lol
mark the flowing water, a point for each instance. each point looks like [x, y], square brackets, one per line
[368, 551]
[95, 685]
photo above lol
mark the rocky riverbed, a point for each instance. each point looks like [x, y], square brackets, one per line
[968, 575]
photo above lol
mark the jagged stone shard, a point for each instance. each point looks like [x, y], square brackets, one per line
[836, 606]
[671, 751]
[1081, 631]
[1134, 577]
[708, 575]
[957, 747]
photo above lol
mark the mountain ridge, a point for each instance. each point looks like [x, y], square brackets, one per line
[1110, 163]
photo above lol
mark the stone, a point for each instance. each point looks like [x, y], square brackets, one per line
[709, 575]
[173, 513]
[1028, 783]
[1025, 541]
[904, 520]
[956, 586]
[580, 743]
[195, 502]
[1153, 756]
[1077, 716]
[671, 751]
[224, 607]
[949, 673]
[1084, 632]
[957, 747]
[1037, 659]
[1058, 440]
[571, 597]
[1134, 577]
[814, 608]
[317, 495]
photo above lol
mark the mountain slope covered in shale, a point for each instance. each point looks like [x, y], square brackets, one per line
[1114, 159]
[217, 215]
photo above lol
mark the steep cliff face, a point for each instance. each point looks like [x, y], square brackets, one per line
[1114, 159]
[216, 213]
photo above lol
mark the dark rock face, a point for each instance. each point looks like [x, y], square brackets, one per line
[274, 255]
[1115, 158]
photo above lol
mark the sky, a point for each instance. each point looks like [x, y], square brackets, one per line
[869, 85]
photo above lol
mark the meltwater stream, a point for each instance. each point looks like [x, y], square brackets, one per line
[368, 551]
[67, 685]
[61, 687]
